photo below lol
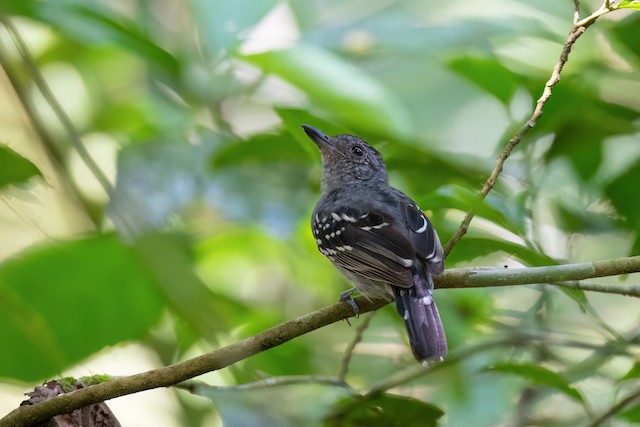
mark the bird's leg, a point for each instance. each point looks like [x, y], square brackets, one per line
[347, 297]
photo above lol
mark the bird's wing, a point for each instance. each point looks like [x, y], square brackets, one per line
[370, 245]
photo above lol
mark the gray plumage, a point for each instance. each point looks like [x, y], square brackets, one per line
[378, 237]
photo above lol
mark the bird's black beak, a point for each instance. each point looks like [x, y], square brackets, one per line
[321, 140]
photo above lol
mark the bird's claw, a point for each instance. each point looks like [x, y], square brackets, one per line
[347, 296]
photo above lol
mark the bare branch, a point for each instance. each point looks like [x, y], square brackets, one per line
[576, 14]
[193, 385]
[344, 366]
[627, 290]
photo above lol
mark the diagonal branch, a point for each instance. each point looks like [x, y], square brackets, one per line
[578, 29]
[220, 358]
[348, 354]
[618, 407]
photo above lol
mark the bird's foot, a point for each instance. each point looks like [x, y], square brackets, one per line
[347, 296]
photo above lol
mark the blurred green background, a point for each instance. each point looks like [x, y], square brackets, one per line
[198, 236]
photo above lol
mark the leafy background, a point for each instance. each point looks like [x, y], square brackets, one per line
[192, 109]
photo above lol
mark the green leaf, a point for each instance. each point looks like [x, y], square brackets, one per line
[541, 376]
[626, 33]
[634, 372]
[581, 122]
[628, 4]
[291, 405]
[488, 74]
[390, 410]
[472, 247]
[582, 145]
[261, 150]
[169, 260]
[492, 208]
[223, 23]
[293, 119]
[632, 414]
[579, 296]
[24, 7]
[342, 90]
[622, 192]
[635, 248]
[574, 220]
[127, 35]
[15, 169]
[425, 171]
[62, 303]
[91, 24]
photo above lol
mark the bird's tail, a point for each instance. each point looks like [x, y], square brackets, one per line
[420, 314]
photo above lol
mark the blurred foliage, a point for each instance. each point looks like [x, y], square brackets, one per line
[201, 103]
[15, 168]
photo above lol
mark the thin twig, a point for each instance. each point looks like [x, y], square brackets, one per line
[575, 33]
[54, 154]
[605, 8]
[193, 385]
[627, 290]
[45, 90]
[615, 409]
[346, 359]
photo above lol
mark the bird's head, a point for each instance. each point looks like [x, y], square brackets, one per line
[346, 159]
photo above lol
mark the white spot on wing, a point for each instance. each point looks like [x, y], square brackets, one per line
[426, 300]
[336, 216]
[348, 218]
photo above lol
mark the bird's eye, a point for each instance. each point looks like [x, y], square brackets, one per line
[357, 150]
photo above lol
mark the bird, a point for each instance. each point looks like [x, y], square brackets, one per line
[379, 238]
